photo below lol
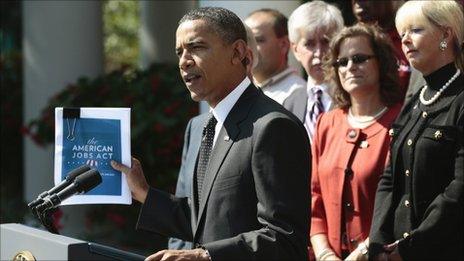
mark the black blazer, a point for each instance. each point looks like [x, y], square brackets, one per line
[427, 170]
[255, 201]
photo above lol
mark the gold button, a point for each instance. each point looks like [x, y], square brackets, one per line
[391, 132]
[407, 172]
[437, 135]
[424, 114]
[409, 142]
[405, 234]
[407, 204]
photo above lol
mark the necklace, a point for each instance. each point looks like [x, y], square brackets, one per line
[437, 95]
[366, 119]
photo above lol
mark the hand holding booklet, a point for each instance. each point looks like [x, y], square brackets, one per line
[94, 136]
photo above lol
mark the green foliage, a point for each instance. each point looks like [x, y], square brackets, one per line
[121, 22]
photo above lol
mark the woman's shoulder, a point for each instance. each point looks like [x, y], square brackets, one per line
[333, 116]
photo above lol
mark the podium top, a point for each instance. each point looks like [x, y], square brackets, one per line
[40, 234]
[47, 246]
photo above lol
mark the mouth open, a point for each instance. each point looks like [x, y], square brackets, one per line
[191, 78]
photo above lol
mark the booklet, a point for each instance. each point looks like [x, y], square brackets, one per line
[94, 136]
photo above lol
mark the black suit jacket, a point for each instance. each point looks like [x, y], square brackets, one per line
[428, 142]
[255, 201]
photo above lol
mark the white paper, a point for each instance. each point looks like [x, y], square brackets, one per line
[96, 147]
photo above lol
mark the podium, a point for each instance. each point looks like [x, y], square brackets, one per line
[27, 243]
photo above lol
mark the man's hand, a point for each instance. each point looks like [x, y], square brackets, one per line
[356, 255]
[391, 253]
[197, 254]
[135, 179]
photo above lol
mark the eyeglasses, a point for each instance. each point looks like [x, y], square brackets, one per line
[356, 59]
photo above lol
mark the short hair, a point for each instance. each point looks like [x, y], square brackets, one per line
[314, 15]
[383, 49]
[223, 22]
[279, 24]
[439, 14]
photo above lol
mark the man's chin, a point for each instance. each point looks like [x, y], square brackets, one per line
[195, 97]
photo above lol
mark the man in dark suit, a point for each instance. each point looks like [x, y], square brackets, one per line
[248, 157]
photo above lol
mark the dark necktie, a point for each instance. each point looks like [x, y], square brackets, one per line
[204, 155]
[314, 112]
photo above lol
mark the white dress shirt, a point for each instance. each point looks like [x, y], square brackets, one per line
[222, 109]
[281, 85]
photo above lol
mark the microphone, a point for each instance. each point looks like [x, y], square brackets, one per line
[68, 180]
[82, 184]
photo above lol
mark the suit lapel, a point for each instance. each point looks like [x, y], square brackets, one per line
[227, 137]
[302, 106]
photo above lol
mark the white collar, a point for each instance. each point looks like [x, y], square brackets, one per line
[223, 108]
[312, 84]
[275, 78]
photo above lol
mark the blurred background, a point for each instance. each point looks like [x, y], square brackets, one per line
[96, 54]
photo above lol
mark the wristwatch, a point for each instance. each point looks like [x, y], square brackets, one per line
[206, 252]
[363, 248]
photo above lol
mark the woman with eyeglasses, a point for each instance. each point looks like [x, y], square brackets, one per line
[351, 144]
[420, 199]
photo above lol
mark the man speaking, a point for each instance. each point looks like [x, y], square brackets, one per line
[248, 157]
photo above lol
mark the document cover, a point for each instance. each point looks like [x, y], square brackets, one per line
[94, 136]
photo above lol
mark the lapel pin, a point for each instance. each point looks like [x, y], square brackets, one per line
[226, 138]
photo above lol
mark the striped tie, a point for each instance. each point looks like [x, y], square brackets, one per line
[316, 109]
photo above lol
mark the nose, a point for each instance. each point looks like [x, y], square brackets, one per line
[185, 60]
[351, 65]
[406, 38]
[318, 50]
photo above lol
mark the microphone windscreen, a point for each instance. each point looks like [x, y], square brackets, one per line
[76, 172]
[88, 180]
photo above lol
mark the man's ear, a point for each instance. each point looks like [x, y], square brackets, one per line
[284, 45]
[293, 47]
[240, 49]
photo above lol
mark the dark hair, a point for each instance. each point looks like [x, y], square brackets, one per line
[279, 23]
[382, 46]
[224, 22]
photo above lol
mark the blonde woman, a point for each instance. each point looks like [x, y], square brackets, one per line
[420, 198]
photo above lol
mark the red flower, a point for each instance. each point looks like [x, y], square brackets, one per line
[128, 100]
[169, 111]
[25, 130]
[155, 81]
[56, 217]
[119, 220]
[159, 128]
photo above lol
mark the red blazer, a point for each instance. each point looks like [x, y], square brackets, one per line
[336, 191]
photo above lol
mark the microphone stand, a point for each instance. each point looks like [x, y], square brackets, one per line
[46, 218]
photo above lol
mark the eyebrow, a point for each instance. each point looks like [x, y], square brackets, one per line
[190, 44]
